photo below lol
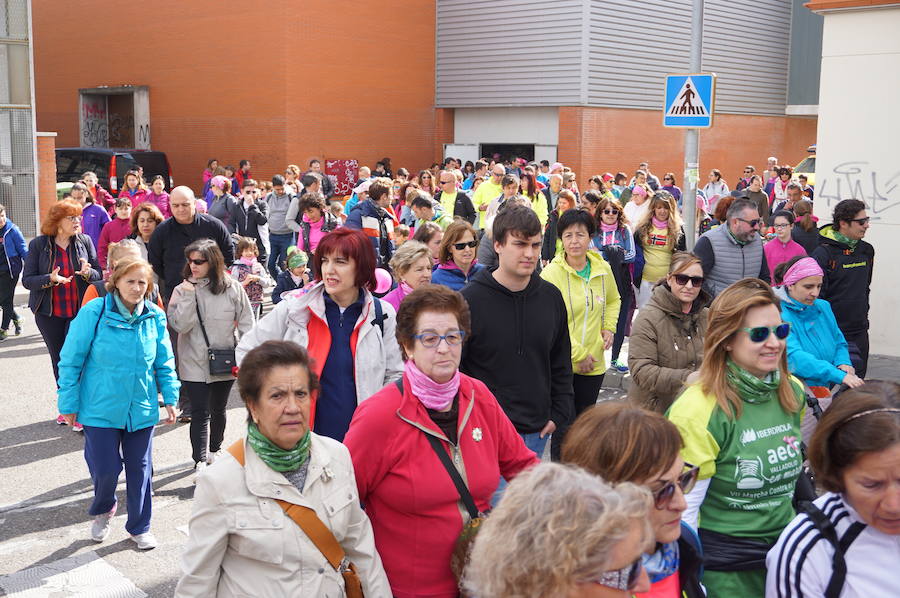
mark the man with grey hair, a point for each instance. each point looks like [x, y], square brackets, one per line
[733, 250]
[794, 195]
[551, 191]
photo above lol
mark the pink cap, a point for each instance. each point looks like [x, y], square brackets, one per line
[607, 177]
[556, 166]
[218, 181]
[637, 189]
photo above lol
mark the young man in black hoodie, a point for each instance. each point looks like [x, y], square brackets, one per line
[519, 344]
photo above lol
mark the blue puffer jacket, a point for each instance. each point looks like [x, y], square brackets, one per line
[14, 246]
[816, 346]
[109, 369]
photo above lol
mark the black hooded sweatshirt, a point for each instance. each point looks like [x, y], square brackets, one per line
[519, 347]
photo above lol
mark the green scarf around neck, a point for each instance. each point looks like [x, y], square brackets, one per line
[274, 456]
[750, 388]
[842, 238]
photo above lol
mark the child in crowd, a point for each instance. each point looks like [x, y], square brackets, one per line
[115, 230]
[337, 209]
[250, 273]
[401, 235]
[295, 277]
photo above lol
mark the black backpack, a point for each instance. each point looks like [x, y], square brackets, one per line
[825, 527]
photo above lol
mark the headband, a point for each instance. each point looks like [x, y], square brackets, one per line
[802, 269]
[868, 411]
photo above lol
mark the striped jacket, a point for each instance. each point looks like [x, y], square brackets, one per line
[378, 224]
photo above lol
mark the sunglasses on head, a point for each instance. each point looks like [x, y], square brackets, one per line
[683, 279]
[609, 212]
[461, 246]
[685, 481]
[760, 333]
[622, 579]
[197, 262]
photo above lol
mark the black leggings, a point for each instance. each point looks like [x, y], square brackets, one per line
[208, 403]
[53, 331]
[625, 312]
[587, 389]
[7, 295]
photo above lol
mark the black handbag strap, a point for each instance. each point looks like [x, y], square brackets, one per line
[199, 317]
[461, 487]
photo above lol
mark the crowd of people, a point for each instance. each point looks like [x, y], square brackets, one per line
[434, 338]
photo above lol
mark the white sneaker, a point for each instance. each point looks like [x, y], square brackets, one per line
[198, 467]
[145, 541]
[211, 457]
[100, 527]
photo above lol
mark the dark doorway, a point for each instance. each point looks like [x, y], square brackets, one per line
[507, 151]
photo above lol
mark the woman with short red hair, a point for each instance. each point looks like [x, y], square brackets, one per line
[348, 332]
[60, 265]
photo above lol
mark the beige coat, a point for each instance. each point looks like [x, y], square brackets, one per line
[242, 544]
[665, 346]
[223, 315]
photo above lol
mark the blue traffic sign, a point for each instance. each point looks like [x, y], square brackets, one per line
[690, 100]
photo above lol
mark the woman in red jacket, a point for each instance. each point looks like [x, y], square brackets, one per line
[416, 511]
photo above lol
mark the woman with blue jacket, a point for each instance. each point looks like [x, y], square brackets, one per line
[116, 357]
[816, 348]
[12, 255]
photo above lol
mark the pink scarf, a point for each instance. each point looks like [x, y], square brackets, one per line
[430, 393]
[608, 228]
[247, 261]
[663, 224]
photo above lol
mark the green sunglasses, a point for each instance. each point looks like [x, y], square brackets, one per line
[761, 333]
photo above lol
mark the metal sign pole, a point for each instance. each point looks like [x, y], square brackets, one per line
[692, 136]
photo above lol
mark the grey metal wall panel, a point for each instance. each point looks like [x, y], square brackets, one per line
[509, 52]
[747, 44]
[631, 46]
[806, 56]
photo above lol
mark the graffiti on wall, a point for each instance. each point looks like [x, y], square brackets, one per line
[94, 131]
[858, 179]
[143, 141]
[121, 130]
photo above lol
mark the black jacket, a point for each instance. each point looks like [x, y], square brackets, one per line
[519, 347]
[331, 223]
[39, 263]
[166, 250]
[462, 207]
[248, 220]
[808, 240]
[848, 276]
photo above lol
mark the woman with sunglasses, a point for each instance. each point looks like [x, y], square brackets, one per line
[622, 443]
[402, 440]
[208, 310]
[670, 186]
[740, 423]
[592, 306]
[665, 349]
[425, 181]
[615, 243]
[563, 532]
[456, 257]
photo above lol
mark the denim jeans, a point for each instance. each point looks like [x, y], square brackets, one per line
[537, 445]
[279, 245]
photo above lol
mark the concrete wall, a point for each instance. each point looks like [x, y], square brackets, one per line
[276, 83]
[858, 135]
[539, 125]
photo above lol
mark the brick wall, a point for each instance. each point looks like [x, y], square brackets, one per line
[276, 83]
[597, 140]
[46, 173]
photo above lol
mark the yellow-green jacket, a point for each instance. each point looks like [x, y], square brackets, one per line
[592, 306]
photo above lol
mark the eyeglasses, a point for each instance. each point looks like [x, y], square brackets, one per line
[430, 340]
[761, 333]
[611, 212]
[753, 223]
[748, 171]
[861, 221]
[667, 178]
[683, 279]
[445, 182]
[198, 262]
[426, 177]
[73, 218]
[622, 579]
[779, 226]
[461, 246]
[685, 481]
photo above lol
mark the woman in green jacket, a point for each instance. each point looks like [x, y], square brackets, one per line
[592, 302]
[740, 423]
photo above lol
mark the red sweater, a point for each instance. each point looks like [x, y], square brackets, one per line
[113, 231]
[414, 507]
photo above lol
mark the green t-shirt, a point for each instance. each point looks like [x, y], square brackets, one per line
[753, 462]
[585, 272]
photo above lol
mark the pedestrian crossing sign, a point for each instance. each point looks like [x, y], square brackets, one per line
[689, 100]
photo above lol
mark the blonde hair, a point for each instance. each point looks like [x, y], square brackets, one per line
[673, 224]
[407, 255]
[726, 319]
[557, 526]
[126, 265]
[117, 251]
[681, 261]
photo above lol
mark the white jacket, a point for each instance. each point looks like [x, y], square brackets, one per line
[241, 543]
[377, 358]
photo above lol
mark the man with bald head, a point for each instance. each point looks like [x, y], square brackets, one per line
[166, 250]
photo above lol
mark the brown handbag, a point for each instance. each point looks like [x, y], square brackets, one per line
[317, 532]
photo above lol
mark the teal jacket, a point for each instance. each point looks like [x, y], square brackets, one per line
[816, 346]
[110, 370]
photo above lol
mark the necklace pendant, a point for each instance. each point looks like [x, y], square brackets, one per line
[477, 435]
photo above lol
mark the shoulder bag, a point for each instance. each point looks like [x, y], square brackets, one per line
[221, 361]
[317, 532]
